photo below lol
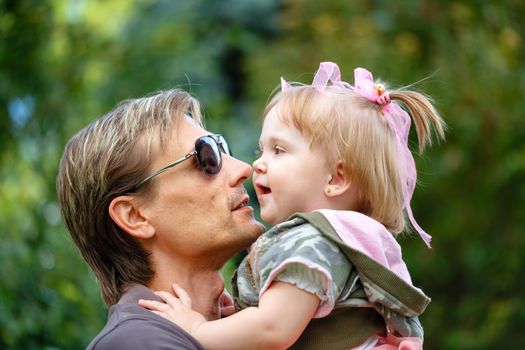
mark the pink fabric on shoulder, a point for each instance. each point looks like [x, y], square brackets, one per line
[369, 237]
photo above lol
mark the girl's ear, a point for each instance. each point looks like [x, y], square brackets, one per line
[126, 213]
[339, 182]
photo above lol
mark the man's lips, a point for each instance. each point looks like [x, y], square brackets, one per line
[242, 203]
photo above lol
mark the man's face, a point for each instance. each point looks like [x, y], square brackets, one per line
[198, 216]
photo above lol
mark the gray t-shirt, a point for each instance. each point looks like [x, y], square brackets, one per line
[130, 326]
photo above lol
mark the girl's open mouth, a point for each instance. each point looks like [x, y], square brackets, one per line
[262, 190]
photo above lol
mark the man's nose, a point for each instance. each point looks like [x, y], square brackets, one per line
[240, 171]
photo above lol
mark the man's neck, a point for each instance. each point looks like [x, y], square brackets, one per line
[203, 286]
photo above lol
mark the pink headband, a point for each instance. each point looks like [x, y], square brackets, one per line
[397, 119]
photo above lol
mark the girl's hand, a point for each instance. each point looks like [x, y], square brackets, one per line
[176, 309]
[226, 304]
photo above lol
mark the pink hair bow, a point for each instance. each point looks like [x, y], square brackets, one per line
[327, 72]
[397, 119]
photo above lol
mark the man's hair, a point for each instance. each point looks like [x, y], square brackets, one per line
[108, 158]
[348, 127]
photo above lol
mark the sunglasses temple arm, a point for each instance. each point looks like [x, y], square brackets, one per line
[166, 168]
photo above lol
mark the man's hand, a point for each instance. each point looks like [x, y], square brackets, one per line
[176, 308]
[226, 304]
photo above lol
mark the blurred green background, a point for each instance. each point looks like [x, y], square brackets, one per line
[65, 62]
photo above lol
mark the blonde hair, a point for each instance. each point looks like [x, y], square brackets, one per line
[108, 158]
[350, 128]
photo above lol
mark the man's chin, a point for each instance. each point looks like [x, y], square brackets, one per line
[261, 227]
[255, 227]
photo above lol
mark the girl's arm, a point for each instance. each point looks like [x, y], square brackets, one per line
[283, 313]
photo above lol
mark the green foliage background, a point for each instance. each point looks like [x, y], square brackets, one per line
[65, 62]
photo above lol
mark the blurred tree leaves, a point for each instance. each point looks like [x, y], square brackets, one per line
[63, 63]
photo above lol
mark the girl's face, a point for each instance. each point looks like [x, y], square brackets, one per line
[289, 176]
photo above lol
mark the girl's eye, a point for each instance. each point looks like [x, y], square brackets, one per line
[258, 153]
[277, 150]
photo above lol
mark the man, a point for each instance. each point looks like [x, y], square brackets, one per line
[151, 198]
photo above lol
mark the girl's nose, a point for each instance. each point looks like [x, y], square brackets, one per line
[259, 166]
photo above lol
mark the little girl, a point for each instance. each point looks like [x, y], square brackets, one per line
[331, 277]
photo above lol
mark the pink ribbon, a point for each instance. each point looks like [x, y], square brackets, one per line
[285, 85]
[396, 117]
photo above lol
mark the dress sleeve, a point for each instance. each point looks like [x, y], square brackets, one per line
[305, 258]
[305, 278]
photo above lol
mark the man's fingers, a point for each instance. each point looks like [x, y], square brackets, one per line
[226, 299]
[181, 293]
[227, 305]
[227, 311]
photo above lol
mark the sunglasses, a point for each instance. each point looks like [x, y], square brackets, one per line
[207, 152]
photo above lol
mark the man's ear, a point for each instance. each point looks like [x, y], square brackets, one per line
[339, 181]
[126, 213]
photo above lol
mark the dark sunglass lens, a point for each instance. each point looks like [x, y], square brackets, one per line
[208, 155]
[223, 145]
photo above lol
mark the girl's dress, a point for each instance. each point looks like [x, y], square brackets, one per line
[353, 264]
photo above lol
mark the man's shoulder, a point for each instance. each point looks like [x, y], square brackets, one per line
[132, 327]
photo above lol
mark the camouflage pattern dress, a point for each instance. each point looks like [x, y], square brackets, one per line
[300, 252]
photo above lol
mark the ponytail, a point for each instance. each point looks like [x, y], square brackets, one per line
[423, 114]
